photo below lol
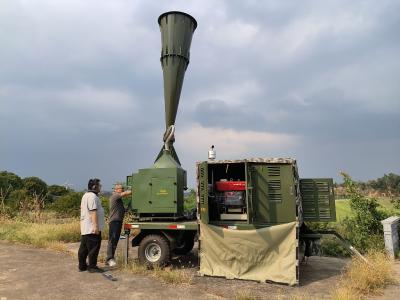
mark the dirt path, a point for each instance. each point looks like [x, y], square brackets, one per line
[27, 272]
[30, 273]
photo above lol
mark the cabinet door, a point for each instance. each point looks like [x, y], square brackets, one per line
[318, 199]
[273, 193]
[163, 194]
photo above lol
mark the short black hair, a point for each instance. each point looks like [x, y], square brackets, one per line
[93, 183]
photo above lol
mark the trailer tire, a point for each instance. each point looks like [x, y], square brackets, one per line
[154, 250]
[187, 245]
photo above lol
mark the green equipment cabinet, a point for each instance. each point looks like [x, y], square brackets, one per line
[158, 191]
[259, 207]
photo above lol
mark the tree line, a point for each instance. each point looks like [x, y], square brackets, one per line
[30, 196]
[386, 186]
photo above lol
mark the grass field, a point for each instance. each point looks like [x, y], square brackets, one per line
[343, 207]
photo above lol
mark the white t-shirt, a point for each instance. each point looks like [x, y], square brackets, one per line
[91, 202]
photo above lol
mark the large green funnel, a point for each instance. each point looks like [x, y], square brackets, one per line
[176, 36]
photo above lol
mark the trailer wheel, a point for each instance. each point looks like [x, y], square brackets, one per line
[154, 250]
[186, 246]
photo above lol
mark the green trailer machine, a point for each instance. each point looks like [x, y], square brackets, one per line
[250, 212]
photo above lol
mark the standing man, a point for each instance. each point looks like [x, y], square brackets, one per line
[117, 211]
[92, 223]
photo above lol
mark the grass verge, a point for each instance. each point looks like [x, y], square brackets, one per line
[361, 279]
[41, 235]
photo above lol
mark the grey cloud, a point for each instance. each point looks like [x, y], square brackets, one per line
[338, 89]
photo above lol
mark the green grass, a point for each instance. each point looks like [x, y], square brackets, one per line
[343, 208]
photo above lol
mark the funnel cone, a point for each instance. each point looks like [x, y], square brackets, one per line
[176, 36]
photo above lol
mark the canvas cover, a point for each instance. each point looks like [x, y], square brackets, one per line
[261, 254]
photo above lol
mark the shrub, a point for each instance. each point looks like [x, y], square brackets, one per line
[363, 227]
[190, 201]
[331, 246]
[68, 205]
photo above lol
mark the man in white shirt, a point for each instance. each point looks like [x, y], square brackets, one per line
[92, 223]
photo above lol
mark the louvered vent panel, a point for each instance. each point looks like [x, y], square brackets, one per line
[274, 185]
[275, 197]
[318, 199]
[274, 171]
[202, 186]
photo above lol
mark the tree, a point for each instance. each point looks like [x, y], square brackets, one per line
[55, 191]
[389, 183]
[19, 200]
[9, 182]
[35, 185]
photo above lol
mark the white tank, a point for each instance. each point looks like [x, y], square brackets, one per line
[212, 153]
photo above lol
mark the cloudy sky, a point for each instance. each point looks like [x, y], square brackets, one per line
[81, 86]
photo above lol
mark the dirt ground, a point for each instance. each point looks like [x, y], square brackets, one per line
[27, 272]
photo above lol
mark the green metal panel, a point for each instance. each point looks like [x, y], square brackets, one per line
[273, 193]
[318, 199]
[163, 193]
[202, 174]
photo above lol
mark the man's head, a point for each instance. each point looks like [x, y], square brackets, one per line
[118, 188]
[94, 185]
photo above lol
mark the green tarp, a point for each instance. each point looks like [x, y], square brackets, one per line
[266, 254]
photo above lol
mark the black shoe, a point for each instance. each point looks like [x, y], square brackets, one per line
[82, 269]
[95, 270]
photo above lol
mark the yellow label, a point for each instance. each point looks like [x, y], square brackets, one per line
[162, 192]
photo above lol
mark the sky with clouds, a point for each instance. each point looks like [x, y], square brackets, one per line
[81, 90]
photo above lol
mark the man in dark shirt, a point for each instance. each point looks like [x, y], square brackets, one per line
[117, 211]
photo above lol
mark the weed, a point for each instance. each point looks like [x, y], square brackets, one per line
[134, 267]
[172, 276]
[245, 295]
[167, 275]
[362, 279]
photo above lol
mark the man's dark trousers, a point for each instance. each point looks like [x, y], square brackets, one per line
[113, 238]
[90, 247]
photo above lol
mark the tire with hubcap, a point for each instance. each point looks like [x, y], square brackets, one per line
[154, 250]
